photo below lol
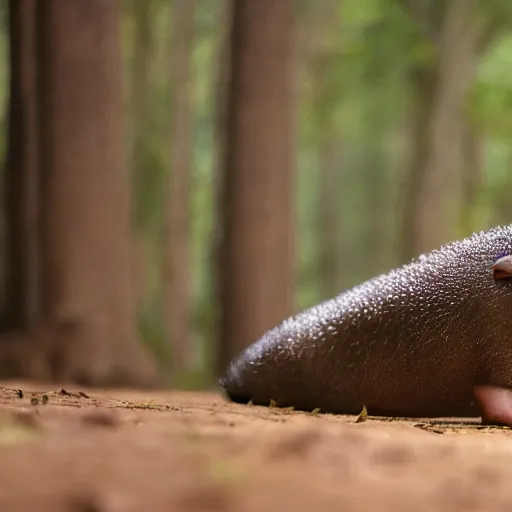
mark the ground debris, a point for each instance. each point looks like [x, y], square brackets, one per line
[64, 397]
[445, 426]
[363, 415]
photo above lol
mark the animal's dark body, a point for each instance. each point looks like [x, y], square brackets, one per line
[432, 338]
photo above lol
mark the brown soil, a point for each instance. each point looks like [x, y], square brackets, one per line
[119, 451]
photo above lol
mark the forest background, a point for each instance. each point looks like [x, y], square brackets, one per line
[281, 154]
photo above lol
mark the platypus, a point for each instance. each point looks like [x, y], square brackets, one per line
[432, 338]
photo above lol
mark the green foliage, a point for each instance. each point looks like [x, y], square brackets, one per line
[354, 92]
[492, 96]
[149, 155]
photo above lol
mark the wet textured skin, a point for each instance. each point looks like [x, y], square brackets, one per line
[432, 338]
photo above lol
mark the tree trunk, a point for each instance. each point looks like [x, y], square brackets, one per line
[86, 205]
[221, 66]
[439, 198]
[329, 225]
[472, 177]
[22, 178]
[176, 275]
[423, 83]
[323, 51]
[257, 264]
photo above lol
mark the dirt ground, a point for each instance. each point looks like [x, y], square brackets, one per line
[117, 451]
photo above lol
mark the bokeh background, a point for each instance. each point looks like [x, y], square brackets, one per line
[275, 154]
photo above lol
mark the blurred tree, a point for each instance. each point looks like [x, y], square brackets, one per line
[472, 177]
[176, 258]
[330, 261]
[140, 94]
[325, 63]
[143, 46]
[423, 77]
[495, 22]
[435, 183]
[490, 114]
[21, 200]
[85, 195]
[257, 201]
[217, 74]
[357, 86]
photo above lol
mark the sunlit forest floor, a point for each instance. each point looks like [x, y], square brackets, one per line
[108, 451]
